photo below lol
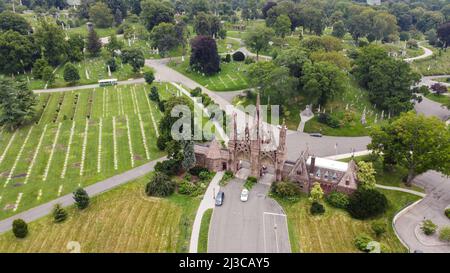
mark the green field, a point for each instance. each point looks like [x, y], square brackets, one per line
[78, 138]
[335, 230]
[121, 220]
[231, 77]
[204, 231]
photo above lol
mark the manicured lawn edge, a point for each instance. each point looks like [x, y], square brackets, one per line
[204, 231]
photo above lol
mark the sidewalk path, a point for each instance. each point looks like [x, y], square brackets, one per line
[426, 54]
[88, 86]
[207, 202]
[67, 200]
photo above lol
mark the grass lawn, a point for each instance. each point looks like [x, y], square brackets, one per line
[350, 120]
[204, 230]
[231, 77]
[121, 220]
[442, 99]
[438, 64]
[335, 230]
[78, 138]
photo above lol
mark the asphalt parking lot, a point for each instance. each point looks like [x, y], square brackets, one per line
[258, 225]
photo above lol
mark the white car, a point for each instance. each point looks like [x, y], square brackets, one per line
[244, 195]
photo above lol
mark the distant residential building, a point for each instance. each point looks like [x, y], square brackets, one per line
[74, 2]
[373, 2]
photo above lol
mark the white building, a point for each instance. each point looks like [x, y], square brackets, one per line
[373, 2]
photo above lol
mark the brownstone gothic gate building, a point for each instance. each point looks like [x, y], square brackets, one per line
[257, 146]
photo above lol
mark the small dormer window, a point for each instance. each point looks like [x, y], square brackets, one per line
[326, 175]
[347, 181]
[334, 176]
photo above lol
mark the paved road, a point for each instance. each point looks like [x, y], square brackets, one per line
[88, 86]
[432, 108]
[426, 54]
[256, 226]
[67, 200]
[429, 80]
[206, 203]
[407, 224]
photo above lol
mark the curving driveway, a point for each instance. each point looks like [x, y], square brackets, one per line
[427, 53]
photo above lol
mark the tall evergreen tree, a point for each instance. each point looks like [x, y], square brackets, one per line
[81, 198]
[94, 45]
[71, 74]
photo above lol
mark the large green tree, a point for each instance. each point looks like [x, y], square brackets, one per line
[93, 45]
[164, 37]
[258, 38]
[16, 103]
[155, 12]
[415, 142]
[51, 39]
[17, 52]
[134, 57]
[71, 74]
[282, 25]
[14, 21]
[101, 15]
[204, 55]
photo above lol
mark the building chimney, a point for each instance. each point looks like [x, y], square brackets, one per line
[313, 164]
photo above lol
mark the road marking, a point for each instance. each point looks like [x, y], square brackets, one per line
[276, 214]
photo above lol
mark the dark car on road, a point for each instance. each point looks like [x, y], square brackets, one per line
[219, 198]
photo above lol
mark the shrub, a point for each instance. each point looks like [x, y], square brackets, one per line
[169, 167]
[227, 176]
[160, 185]
[328, 120]
[20, 228]
[285, 189]
[250, 182]
[379, 228]
[204, 175]
[366, 203]
[111, 62]
[447, 212]
[317, 208]
[149, 77]
[187, 188]
[337, 199]
[196, 92]
[59, 214]
[154, 95]
[238, 56]
[361, 241]
[197, 170]
[81, 198]
[444, 234]
[428, 227]
[227, 58]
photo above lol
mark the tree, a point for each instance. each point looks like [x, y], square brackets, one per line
[114, 44]
[75, 47]
[149, 76]
[443, 33]
[204, 55]
[160, 185]
[20, 228]
[155, 12]
[154, 94]
[365, 204]
[17, 51]
[16, 103]
[339, 29]
[444, 234]
[15, 22]
[71, 74]
[333, 57]
[378, 227]
[38, 68]
[207, 24]
[48, 76]
[258, 39]
[197, 6]
[94, 45]
[428, 227]
[267, 7]
[51, 39]
[101, 15]
[188, 155]
[293, 58]
[81, 198]
[366, 175]
[322, 81]
[316, 193]
[438, 88]
[134, 57]
[164, 37]
[388, 80]
[282, 25]
[59, 214]
[415, 142]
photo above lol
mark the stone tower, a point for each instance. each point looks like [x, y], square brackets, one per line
[281, 153]
[232, 146]
[255, 142]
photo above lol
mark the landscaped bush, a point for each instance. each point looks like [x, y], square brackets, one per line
[227, 176]
[149, 76]
[59, 214]
[81, 198]
[428, 227]
[188, 188]
[205, 175]
[250, 182]
[111, 62]
[238, 56]
[367, 203]
[169, 167]
[317, 208]
[328, 120]
[160, 185]
[20, 228]
[337, 199]
[285, 189]
[249, 61]
[444, 234]
[378, 227]
[197, 170]
[196, 92]
[361, 241]
[447, 212]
